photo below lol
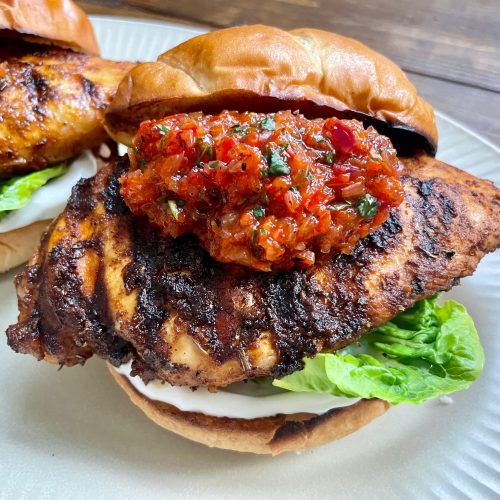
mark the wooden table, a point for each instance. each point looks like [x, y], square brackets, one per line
[450, 49]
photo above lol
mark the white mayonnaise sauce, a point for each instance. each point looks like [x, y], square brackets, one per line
[242, 400]
[50, 200]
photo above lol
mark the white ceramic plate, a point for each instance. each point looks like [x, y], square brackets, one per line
[74, 434]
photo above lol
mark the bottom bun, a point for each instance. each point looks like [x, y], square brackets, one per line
[268, 435]
[18, 245]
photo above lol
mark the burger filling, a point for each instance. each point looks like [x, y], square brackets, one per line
[277, 191]
[43, 194]
[268, 191]
[425, 352]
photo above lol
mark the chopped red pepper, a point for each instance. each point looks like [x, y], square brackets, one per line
[269, 191]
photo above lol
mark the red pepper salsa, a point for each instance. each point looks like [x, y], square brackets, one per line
[268, 191]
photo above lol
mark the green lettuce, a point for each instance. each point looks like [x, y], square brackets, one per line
[426, 351]
[16, 192]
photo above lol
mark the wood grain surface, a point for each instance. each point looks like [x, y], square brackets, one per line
[449, 48]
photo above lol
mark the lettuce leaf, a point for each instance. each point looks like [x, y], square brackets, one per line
[424, 352]
[16, 192]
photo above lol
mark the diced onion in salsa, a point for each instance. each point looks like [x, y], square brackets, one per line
[267, 191]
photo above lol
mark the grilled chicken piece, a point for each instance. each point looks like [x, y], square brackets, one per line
[52, 105]
[104, 282]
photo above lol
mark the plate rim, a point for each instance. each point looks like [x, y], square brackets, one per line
[278, 467]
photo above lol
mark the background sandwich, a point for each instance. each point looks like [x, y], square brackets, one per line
[53, 92]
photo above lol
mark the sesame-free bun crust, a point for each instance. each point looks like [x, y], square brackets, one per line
[18, 245]
[270, 435]
[52, 22]
[265, 69]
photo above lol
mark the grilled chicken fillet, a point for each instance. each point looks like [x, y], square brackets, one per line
[52, 104]
[104, 282]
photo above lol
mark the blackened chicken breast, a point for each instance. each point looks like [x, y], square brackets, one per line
[105, 282]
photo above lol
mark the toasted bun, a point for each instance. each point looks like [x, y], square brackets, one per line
[17, 246]
[260, 68]
[53, 22]
[271, 435]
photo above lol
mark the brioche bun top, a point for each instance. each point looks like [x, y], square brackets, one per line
[264, 69]
[48, 22]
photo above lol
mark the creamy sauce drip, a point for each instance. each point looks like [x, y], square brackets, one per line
[242, 400]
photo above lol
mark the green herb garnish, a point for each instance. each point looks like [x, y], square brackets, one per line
[367, 206]
[277, 165]
[213, 164]
[258, 212]
[163, 129]
[268, 123]
[206, 149]
[237, 129]
[329, 157]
